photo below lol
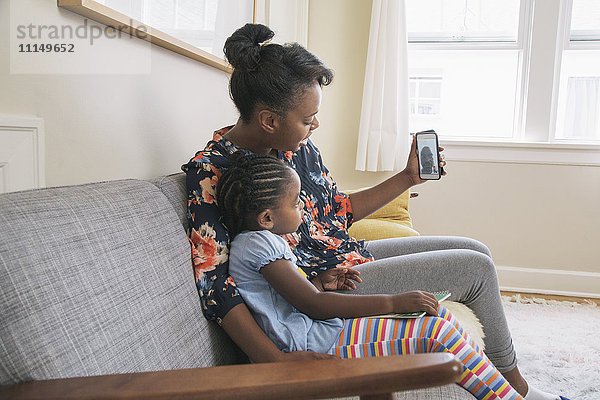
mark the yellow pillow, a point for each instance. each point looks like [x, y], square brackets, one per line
[391, 220]
[396, 209]
[375, 229]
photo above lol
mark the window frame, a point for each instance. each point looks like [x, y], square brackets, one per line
[565, 43]
[523, 37]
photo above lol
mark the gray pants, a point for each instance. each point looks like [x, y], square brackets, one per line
[461, 265]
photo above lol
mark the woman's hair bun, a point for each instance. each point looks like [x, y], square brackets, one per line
[242, 48]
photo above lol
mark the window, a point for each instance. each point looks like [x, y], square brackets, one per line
[509, 71]
[578, 109]
[477, 48]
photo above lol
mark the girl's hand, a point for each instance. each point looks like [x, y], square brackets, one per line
[415, 301]
[337, 279]
[412, 165]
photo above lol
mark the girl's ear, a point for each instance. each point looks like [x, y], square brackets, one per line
[264, 219]
[268, 120]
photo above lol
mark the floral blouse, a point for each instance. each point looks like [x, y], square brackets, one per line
[321, 242]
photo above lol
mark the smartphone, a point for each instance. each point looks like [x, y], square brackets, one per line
[428, 154]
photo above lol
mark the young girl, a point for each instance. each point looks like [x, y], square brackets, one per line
[259, 199]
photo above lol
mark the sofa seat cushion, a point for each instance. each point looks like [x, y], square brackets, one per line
[97, 279]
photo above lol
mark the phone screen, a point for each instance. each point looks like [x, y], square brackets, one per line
[428, 155]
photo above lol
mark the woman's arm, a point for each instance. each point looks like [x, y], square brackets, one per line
[245, 332]
[303, 295]
[209, 238]
[370, 200]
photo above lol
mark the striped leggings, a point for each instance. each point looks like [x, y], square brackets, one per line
[372, 337]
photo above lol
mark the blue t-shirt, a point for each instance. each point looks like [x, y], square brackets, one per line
[287, 327]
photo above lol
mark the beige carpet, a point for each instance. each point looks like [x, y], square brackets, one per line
[558, 345]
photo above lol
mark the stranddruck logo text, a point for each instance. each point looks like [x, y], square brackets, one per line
[85, 31]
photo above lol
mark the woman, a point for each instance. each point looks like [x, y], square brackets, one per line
[277, 90]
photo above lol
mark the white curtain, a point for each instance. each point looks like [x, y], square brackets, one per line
[582, 119]
[383, 139]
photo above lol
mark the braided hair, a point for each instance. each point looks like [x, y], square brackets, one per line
[251, 184]
[268, 74]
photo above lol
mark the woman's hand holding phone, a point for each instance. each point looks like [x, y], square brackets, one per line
[414, 166]
[428, 155]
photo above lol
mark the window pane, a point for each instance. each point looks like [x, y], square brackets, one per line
[477, 92]
[431, 89]
[160, 14]
[412, 88]
[465, 20]
[428, 107]
[131, 8]
[205, 24]
[579, 96]
[585, 20]
[192, 14]
[425, 95]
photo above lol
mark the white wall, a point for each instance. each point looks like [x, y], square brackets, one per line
[111, 126]
[338, 35]
[540, 221]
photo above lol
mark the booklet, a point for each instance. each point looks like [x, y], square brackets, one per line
[440, 296]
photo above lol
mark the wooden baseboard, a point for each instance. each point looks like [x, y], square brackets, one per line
[581, 300]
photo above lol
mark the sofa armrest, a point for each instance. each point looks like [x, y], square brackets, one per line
[289, 380]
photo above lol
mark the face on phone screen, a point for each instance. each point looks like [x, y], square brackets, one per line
[427, 149]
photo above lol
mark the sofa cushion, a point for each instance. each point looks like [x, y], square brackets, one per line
[395, 209]
[374, 229]
[97, 279]
[446, 392]
[391, 220]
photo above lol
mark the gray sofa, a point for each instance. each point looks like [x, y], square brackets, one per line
[97, 282]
